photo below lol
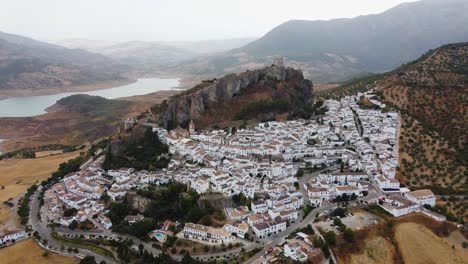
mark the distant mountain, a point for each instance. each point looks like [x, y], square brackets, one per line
[211, 46]
[84, 44]
[145, 56]
[153, 57]
[27, 64]
[340, 48]
[431, 94]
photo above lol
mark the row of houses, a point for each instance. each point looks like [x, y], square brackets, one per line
[408, 202]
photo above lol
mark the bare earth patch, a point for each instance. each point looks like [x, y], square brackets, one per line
[376, 251]
[28, 252]
[418, 244]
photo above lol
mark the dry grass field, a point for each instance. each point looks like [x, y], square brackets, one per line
[376, 251]
[28, 252]
[17, 175]
[418, 244]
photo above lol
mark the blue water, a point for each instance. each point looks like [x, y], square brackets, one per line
[36, 105]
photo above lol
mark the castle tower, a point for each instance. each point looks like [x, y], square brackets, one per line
[279, 61]
[191, 127]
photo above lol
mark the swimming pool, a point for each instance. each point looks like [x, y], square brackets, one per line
[159, 236]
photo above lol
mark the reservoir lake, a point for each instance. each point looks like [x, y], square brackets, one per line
[36, 105]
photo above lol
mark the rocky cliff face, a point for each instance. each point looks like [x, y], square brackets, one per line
[220, 100]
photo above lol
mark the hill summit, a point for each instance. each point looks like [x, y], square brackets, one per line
[337, 49]
[259, 94]
[29, 66]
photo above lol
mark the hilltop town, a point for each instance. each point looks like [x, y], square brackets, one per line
[288, 175]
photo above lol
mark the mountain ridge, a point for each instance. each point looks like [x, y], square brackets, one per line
[30, 65]
[338, 49]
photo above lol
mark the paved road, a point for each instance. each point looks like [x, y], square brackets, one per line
[114, 236]
[46, 233]
[148, 245]
[279, 238]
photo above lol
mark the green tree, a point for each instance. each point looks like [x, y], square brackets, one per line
[88, 260]
[349, 235]
[330, 237]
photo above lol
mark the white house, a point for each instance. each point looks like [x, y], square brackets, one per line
[387, 184]
[398, 205]
[66, 221]
[349, 190]
[115, 193]
[422, 197]
[200, 185]
[205, 233]
[259, 206]
[132, 219]
[294, 251]
[120, 172]
[105, 222]
[12, 236]
[237, 213]
[265, 229]
[237, 228]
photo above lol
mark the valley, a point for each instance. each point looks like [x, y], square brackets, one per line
[76, 120]
[340, 49]
[36, 105]
[161, 133]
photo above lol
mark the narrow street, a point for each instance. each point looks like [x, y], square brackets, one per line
[46, 233]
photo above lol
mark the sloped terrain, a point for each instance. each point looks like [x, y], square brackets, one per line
[30, 65]
[431, 94]
[75, 120]
[419, 245]
[335, 50]
[259, 94]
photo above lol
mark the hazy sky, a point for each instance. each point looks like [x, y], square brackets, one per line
[168, 20]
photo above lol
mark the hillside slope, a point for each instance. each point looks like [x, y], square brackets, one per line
[431, 94]
[27, 64]
[75, 119]
[337, 49]
[258, 94]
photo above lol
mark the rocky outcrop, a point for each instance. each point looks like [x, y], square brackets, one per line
[138, 202]
[219, 100]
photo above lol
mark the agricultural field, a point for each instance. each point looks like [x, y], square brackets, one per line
[17, 175]
[411, 239]
[458, 207]
[27, 251]
[418, 244]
